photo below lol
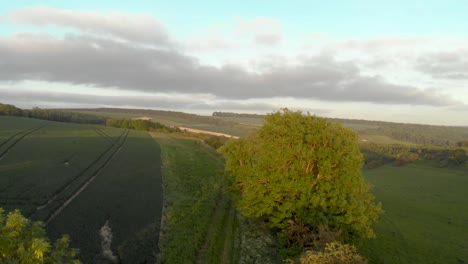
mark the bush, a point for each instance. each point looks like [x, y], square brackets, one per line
[334, 253]
[24, 242]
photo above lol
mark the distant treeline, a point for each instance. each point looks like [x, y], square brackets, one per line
[380, 154]
[230, 114]
[51, 115]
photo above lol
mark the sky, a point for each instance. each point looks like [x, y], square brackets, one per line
[399, 61]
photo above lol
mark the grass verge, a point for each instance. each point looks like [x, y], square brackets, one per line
[199, 219]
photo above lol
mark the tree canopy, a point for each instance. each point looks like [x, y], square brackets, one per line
[302, 168]
[23, 242]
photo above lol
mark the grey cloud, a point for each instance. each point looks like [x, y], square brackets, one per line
[267, 39]
[31, 98]
[207, 45]
[135, 28]
[445, 65]
[106, 63]
[379, 44]
[265, 31]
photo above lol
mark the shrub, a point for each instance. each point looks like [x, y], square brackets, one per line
[334, 253]
[24, 242]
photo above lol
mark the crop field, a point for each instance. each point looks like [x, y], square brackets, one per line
[77, 178]
[426, 214]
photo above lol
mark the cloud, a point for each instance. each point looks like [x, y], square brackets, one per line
[106, 63]
[211, 44]
[31, 98]
[264, 30]
[381, 43]
[445, 65]
[267, 39]
[130, 27]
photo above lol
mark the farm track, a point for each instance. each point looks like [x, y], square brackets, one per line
[228, 249]
[211, 231]
[104, 135]
[398, 233]
[219, 213]
[19, 136]
[113, 149]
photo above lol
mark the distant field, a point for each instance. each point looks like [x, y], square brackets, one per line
[252, 121]
[225, 128]
[77, 177]
[380, 139]
[426, 214]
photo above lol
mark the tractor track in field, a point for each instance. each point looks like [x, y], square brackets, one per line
[12, 136]
[398, 234]
[218, 211]
[104, 135]
[91, 179]
[20, 135]
[70, 182]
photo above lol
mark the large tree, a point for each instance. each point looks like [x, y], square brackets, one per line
[302, 168]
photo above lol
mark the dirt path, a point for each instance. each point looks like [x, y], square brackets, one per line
[106, 236]
[211, 231]
[193, 130]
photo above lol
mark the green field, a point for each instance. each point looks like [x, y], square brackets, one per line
[77, 177]
[426, 214]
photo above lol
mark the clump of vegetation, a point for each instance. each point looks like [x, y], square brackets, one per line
[139, 124]
[304, 169]
[377, 155]
[24, 242]
[51, 115]
[10, 110]
[334, 253]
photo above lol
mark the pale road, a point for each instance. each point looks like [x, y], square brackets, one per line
[206, 132]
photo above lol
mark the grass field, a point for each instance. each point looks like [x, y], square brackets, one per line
[200, 220]
[78, 177]
[426, 214]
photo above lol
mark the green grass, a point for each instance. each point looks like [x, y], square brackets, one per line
[426, 214]
[198, 212]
